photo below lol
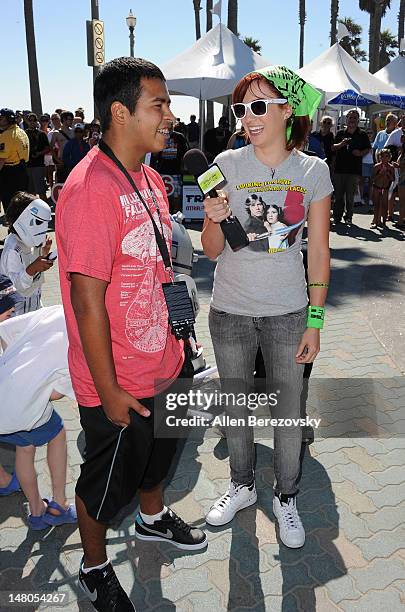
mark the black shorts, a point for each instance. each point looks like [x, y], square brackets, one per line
[121, 460]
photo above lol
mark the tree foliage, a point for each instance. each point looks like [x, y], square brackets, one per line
[352, 43]
[388, 44]
[253, 43]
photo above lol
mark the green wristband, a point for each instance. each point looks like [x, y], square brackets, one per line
[316, 317]
[318, 285]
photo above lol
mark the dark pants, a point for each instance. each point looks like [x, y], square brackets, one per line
[345, 188]
[121, 460]
[12, 179]
[62, 172]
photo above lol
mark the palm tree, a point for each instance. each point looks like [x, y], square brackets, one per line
[388, 43]
[334, 12]
[352, 44]
[376, 10]
[36, 104]
[401, 21]
[302, 18]
[253, 43]
[210, 105]
[233, 16]
[197, 9]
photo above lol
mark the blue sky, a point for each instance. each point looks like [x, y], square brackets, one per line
[164, 29]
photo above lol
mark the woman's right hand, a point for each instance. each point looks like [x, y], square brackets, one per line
[217, 209]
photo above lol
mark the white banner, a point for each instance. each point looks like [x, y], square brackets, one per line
[193, 207]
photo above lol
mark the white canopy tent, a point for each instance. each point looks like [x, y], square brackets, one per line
[335, 72]
[211, 67]
[394, 73]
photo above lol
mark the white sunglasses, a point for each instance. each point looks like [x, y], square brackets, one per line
[257, 107]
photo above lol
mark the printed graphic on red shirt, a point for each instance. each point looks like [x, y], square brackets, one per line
[146, 316]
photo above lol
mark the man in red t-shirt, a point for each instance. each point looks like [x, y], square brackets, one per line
[120, 343]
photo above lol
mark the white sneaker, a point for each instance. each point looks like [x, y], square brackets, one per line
[236, 498]
[292, 532]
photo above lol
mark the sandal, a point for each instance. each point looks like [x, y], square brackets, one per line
[65, 517]
[12, 487]
[37, 523]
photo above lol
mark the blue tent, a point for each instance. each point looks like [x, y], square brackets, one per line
[352, 98]
[392, 100]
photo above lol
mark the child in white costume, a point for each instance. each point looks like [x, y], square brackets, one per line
[27, 417]
[25, 249]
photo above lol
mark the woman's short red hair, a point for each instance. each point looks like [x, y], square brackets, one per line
[300, 126]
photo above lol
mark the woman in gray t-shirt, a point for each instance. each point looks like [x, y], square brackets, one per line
[260, 293]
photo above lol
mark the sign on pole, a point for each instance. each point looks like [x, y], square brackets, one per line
[95, 43]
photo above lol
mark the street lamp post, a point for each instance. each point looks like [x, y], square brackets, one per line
[131, 23]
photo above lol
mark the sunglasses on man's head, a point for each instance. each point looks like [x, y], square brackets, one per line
[257, 107]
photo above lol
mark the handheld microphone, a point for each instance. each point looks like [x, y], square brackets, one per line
[209, 179]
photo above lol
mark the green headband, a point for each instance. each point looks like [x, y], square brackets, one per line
[301, 96]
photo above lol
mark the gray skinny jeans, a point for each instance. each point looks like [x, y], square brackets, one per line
[235, 340]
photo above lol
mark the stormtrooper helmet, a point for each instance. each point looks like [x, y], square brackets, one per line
[32, 225]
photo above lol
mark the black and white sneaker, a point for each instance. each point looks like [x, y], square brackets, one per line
[103, 589]
[171, 528]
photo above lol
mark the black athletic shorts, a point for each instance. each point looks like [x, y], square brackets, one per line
[121, 460]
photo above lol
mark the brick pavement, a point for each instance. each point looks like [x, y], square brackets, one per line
[352, 496]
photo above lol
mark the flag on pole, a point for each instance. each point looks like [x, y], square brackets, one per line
[216, 10]
[342, 31]
[218, 58]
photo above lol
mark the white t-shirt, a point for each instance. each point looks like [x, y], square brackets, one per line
[394, 139]
[368, 158]
[32, 365]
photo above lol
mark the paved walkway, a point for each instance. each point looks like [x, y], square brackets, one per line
[352, 498]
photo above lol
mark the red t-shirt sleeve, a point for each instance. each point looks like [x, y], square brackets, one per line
[92, 229]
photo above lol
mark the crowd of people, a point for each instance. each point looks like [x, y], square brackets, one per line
[42, 151]
[367, 166]
[116, 344]
[36, 152]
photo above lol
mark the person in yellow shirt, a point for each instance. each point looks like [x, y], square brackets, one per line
[14, 154]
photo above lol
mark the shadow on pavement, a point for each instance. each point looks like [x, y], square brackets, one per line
[367, 279]
[312, 566]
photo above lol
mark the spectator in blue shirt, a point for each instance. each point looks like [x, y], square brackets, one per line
[76, 149]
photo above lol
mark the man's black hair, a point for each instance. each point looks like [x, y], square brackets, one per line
[65, 115]
[120, 81]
